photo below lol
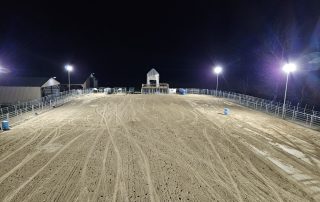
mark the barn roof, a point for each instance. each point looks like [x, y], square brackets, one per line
[152, 72]
[79, 79]
[26, 81]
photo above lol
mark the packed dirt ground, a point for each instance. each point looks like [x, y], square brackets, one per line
[158, 148]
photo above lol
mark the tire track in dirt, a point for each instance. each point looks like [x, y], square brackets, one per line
[183, 163]
[118, 184]
[178, 156]
[287, 140]
[289, 143]
[13, 193]
[51, 176]
[36, 134]
[82, 179]
[194, 173]
[267, 182]
[144, 158]
[102, 177]
[192, 153]
[298, 148]
[234, 184]
[120, 176]
[292, 144]
[22, 147]
[191, 158]
[28, 158]
[153, 195]
[15, 141]
[298, 131]
[272, 186]
[62, 182]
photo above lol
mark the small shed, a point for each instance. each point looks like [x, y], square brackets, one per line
[21, 89]
[91, 82]
[81, 82]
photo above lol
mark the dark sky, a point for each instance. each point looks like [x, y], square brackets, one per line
[121, 41]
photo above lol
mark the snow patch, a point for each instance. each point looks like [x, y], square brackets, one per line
[287, 168]
[290, 170]
[292, 151]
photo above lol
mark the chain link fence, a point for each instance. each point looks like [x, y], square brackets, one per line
[296, 114]
[22, 111]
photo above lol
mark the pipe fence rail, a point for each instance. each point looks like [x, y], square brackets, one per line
[22, 111]
[307, 117]
[300, 115]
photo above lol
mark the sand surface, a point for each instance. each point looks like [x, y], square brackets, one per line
[158, 148]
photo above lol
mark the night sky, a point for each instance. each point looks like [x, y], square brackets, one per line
[183, 40]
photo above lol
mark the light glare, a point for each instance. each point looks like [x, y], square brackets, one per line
[69, 68]
[290, 67]
[4, 70]
[217, 70]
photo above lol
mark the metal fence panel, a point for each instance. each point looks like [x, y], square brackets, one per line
[22, 111]
[306, 117]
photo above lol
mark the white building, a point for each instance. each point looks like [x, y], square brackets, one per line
[153, 78]
[153, 85]
[15, 90]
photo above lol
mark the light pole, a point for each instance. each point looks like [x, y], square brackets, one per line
[69, 69]
[217, 70]
[287, 68]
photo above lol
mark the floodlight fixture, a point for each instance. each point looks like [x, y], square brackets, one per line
[289, 67]
[217, 70]
[69, 68]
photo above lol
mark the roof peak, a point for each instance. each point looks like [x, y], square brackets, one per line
[24, 81]
[153, 71]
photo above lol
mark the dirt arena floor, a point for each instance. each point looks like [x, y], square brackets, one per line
[158, 148]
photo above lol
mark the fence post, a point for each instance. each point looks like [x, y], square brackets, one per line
[305, 107]
[293, 113]
[15, 110]
[7, 116]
